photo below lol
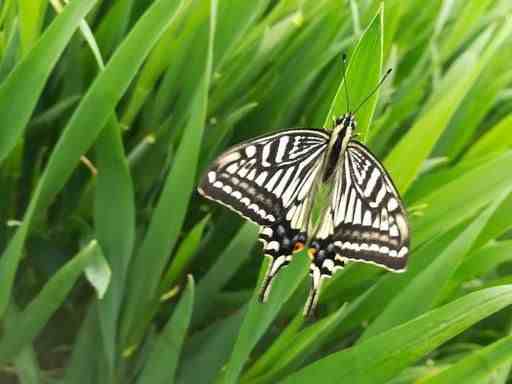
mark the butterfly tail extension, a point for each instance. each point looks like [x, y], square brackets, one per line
[266, 285]
[275, 265]
[314, 293]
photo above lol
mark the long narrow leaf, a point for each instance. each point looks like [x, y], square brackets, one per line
[380, 358]
[37, 313]
[170, 212]
[84, 126]
[20, 91]
[163, 359]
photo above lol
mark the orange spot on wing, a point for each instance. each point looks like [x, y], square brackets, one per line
[298, 246]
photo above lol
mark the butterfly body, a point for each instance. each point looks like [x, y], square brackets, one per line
[341, 135]
[272, 180]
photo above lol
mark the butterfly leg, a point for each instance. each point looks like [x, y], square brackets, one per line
[323, 265]
[279, 244]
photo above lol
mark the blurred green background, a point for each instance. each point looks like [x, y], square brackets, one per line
[114, 270]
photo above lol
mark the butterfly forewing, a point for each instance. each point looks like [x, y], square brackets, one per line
[268, 180]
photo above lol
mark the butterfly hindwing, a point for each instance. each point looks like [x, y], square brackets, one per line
[365, 221]
[369, 222]
[268, 180]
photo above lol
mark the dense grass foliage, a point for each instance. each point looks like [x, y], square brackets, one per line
[114, 270]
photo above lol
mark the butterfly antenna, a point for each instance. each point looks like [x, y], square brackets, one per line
[344, 63]
[374, 90]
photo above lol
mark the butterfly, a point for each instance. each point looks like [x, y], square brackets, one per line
[271, 180]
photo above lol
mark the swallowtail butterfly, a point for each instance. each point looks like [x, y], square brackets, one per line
[271, 180]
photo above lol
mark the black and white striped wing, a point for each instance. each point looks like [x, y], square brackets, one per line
[367, 220]
[268, 181]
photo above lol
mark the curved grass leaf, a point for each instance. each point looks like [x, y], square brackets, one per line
[33, 318]
[479, 367]
[184, 255]
[25, 363]
[277, 349]
[216, 344]
[462, 197]
[496, 139]
[223, 270]
[304, 344]
[482, 261]
[463, 25]
[27, 367]
[171, 209]
[115, 224]
[162, 361]
[367, 54]
[115, 239]
[382, 357]
[82, 367]
[84, 127]
[406, 159]
[159, 59]
[498, 224]
[113, 26]
[21, 89]
[422, 293]
[259, 316]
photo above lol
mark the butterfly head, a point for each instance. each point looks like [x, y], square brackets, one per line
[342, 133]
[345, 125]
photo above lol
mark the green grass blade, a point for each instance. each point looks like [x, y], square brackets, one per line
[406, 159]
[260, 49]
[427, 287]
[382, 357]
[277, 349]
[82, 365]
[169, 214]
[9, 57]
[482, 261]
[223, 270]
[476, 105]
[31, 20]
[478, 367]
[161, 57]
[304, 344]
[216, 345]
[259, 316]
[25, 363]
[115, 224]
[496, 139]
[84, 127]
[114, 219]
[237, 18]
[498, 224]
[184, 254]
[464, 25]
[162, 361]
[462, 197]
[363, 73]
[27, 367]
[21, 89]
[113, 26]
[44, 305]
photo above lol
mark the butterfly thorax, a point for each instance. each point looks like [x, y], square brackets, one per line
[340, 137]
